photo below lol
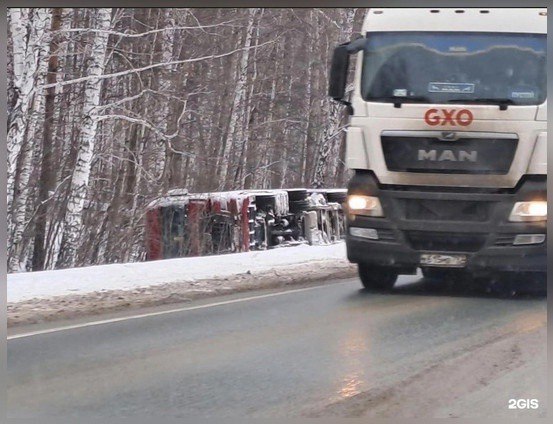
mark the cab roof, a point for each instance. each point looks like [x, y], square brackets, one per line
[513, 20]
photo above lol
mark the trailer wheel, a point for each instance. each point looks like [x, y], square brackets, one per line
[296, 194]
[336, 197]
[298, 206]
[377, 278]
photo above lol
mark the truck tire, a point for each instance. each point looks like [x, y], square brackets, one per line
[296, 194]
[336, 197]
[298, 206]
[377, 278]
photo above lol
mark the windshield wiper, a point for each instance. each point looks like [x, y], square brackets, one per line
[503, 103]
[399, 100]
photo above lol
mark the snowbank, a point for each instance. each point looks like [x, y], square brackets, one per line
[78, 281]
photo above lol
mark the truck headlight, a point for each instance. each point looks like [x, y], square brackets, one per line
[529, 211]
[365, 205]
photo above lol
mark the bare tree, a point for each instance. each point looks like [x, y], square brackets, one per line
[72, 229]
[235, 126]
[109, 108]
[331, 134]
[22, 132]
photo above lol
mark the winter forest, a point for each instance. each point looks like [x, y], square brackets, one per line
[110, 108]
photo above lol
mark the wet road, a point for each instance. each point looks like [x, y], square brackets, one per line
[325, 350]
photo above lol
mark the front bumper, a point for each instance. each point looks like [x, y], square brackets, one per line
[479, 228]
[486, 261]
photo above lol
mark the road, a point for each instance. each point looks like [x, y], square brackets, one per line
[324, 350]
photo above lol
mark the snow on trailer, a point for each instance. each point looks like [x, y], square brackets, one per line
[183, 224]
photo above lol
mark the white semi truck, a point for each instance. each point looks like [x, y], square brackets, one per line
[447, 141]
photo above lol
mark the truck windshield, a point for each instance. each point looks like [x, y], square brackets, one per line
[441, 67]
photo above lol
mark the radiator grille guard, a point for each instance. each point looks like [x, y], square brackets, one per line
[464, 153]
[446, 210]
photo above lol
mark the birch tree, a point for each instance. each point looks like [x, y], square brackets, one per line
[109, 109]
[167, 55]
[22, 130]
[23, 67]
[237, 112]
[47, 175]
[79, 181]
[331, 135]
[27, 28]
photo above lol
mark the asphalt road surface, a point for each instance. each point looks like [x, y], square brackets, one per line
[325, 350]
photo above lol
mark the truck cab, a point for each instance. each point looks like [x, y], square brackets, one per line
[448, 142]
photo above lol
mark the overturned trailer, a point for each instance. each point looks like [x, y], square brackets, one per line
[194, 224]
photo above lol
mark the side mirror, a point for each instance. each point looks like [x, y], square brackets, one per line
[339, 72]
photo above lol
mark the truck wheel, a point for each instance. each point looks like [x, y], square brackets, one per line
[298, 206]
[336, 197]
[379, 278]
[296, 194]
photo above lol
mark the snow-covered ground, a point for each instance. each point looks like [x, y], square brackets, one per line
[46, 284]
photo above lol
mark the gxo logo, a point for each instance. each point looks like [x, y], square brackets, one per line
[434, 117]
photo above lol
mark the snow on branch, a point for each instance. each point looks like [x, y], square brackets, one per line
[142, 34]
[150, 126]
[139, 121]
[152, 66]
[126, 99]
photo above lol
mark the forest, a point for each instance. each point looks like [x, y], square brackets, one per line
[109, 108]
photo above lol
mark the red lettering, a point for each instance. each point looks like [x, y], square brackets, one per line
[465, 117]
[448, 116]
[431, 118]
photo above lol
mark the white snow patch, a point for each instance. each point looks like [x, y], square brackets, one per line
[46, 284]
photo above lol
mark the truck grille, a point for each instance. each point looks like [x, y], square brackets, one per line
[467, 154]
[434, 241]
[446, 210]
